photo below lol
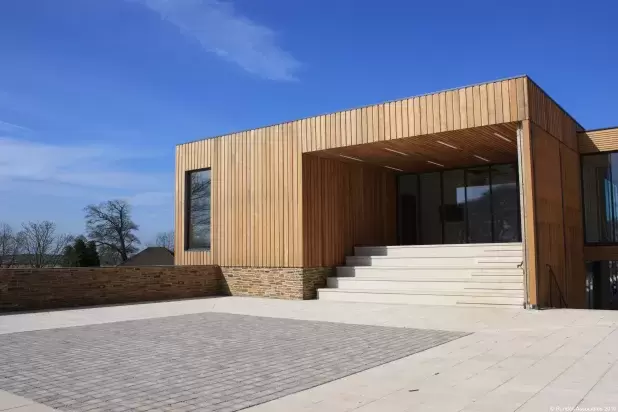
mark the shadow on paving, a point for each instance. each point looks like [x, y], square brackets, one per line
[205, 362]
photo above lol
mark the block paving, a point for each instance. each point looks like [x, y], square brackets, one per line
[196, 362]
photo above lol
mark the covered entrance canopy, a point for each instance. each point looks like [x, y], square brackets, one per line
[445, 150]
[449, 187]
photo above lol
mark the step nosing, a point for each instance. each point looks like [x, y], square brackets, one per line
[446, 279]
[412, 267]
[417, 292]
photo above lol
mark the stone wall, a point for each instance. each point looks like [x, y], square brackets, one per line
[285, 283]
[46, 288]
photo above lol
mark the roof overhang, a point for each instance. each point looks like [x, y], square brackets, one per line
[444, 150]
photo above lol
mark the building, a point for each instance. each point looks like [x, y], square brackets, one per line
[495, 163]
[151, 256]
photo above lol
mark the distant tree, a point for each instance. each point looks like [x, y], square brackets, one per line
[69, 257]
[166, 240]
[42, 247]
[109, 224]
[81, 254]
[10, 246]
[108, 256]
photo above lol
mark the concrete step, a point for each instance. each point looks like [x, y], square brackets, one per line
[500, 253]
[516, 260]
[418, 297]
[445, 261]
[515, 288]
[498, 274]
[461, 250]
[424, 272]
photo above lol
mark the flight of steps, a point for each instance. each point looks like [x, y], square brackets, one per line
[487, 274]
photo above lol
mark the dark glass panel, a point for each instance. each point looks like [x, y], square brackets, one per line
[431, 201]
[453, 209]
[505, 203]
[198, 209]
[599, 195]
[408, 210]
[478, 194]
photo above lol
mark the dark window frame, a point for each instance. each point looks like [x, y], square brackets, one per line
[187, 211]
[583, 205]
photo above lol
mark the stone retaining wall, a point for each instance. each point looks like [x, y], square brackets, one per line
[285, 283]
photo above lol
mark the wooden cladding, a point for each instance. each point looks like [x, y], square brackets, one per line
[558, 227]
[602, 140]
[573, 227]
[256, 208]
[549, 216]
[545, 113]
[481, 105]
[345, 205]
[557, 241]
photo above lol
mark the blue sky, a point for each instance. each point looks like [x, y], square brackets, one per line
[95, 94]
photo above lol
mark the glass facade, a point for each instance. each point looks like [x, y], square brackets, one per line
[602, 284]
[472, 205]
[600, 194]
[198, 209]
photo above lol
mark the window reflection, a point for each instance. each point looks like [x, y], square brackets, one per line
[472, 205]
[453, 209]
[431, 222]
[478, 194]
[505, 200]
[600, 193]
[198, 209]
[602, 284]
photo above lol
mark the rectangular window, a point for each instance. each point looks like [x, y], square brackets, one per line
[431, 203]
[600, 196]
[453, 206]
[197, 212]
[408, 210]
[505, 203]
[478, 205]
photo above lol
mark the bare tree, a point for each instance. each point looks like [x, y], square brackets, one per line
[108, 256]
[10, 244]
[42, 247]
[166, 240]
[110, 225]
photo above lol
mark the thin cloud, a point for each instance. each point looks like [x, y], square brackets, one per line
[151, 199]
[12, 128]
[87, 166]
[220, 29]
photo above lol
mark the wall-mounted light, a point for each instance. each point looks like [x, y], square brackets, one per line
[351, 158]
[396, 151]
[393, 168]
[447, 145]
[502, 137]
[481, 158]
[434, 163]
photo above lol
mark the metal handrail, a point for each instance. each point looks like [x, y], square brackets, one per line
[552, 276]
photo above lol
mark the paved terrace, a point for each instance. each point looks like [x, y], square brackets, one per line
[259, 355]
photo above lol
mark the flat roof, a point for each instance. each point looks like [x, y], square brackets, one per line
[386, 102]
